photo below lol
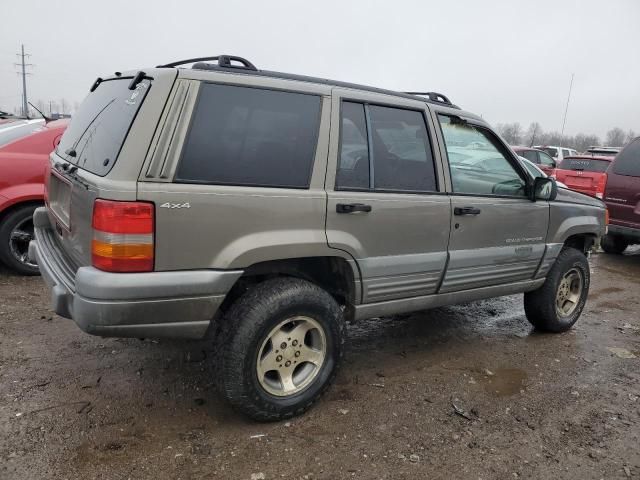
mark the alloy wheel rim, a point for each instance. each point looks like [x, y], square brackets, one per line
[19, 239]
[569, 292]
[291, 356]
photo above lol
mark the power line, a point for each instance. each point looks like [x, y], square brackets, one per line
[25, 102]
[564, 120]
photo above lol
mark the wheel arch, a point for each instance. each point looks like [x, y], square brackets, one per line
[340, 277]
[12, 207]
[581, 241]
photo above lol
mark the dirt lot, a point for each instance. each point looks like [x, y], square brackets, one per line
[531, 405]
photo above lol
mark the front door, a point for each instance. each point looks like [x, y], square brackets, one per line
[497, 233]
[386, 205]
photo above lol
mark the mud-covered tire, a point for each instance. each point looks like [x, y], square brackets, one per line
[249, 322]
[17, 221]
[614, 244]
[540, 306]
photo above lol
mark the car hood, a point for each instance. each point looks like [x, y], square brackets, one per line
[570, 196]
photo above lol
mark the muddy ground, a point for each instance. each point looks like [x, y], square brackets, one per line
[531, 405]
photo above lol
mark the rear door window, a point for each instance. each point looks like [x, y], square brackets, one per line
[546, 160]
[99, 127]
[530, 155]
[402, 159]
[628, 161]
[251, 136]
[385, 149]
[585, 164]
[353, 164]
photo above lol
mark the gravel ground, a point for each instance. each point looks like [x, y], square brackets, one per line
[527, 405]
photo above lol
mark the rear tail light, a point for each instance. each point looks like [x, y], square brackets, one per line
[123, 236]
[602, 183]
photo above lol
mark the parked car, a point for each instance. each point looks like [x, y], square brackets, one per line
[22, 168]
[539, 158]
[622, 196]
[536, 171]
[585, 173]
[16, 129]
[603, 151]
[268, 209]
[557, 153]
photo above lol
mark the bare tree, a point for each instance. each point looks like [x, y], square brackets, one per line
[582, 142]
[511, 132]
[615, 137]
[533, 134]
[630, 136]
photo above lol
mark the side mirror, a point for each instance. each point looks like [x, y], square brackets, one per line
[544, 188]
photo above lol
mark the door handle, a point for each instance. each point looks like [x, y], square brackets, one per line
[466, 211]
[352, 207]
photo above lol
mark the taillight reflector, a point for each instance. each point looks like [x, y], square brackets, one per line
[123, 236]
[602, 184]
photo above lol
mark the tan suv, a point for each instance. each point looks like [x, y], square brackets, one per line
[267, 209]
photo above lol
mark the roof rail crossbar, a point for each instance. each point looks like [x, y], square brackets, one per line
[433, 96]
[223, 61]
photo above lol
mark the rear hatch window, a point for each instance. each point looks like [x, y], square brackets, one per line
[99, 127]
[585, 164]
[628, 161]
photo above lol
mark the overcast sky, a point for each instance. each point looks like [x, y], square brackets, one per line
[507, 60]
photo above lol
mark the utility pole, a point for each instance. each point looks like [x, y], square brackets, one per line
[564, 120]
[25, 104]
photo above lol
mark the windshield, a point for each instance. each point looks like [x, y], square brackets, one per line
[99, 127]
[585, 164]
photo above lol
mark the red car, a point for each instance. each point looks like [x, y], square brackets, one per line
[585, 173]
[22, 166]
[541, 159]
[622, 196]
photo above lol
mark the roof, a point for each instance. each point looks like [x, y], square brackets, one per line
[247, 68]
[608, 158]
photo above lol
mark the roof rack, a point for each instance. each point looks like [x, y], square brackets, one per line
[224, 64]
[223, 61]
[433, 96]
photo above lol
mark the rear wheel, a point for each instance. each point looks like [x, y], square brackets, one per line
[16, 231]
[558, 303]
[613, 243]
[282, 347]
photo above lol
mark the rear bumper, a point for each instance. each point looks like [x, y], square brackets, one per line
[156, 304]
[631, 233]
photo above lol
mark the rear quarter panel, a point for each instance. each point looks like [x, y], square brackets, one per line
[622, 196]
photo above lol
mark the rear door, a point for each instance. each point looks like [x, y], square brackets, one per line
[623, 187]
[497, 233]
[386, 204]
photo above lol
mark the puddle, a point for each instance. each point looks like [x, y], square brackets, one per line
[504, 382]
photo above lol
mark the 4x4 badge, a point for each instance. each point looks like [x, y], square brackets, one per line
[175, 205]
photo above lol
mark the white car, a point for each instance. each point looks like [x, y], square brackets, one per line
[558, 153]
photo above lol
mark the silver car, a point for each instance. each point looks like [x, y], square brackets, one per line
[265, 210]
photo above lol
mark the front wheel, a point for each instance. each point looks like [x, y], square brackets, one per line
[282, 347]
[558, 303]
